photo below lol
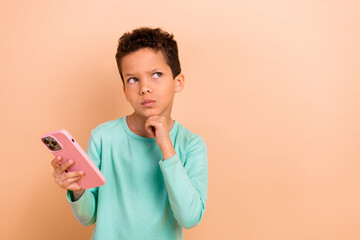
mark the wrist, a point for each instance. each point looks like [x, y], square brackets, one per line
[167, 151]
[76, 194]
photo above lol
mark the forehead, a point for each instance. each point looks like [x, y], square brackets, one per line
[143, 60]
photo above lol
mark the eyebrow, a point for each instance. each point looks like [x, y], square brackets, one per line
[154, 70]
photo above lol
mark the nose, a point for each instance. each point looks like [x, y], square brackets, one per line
[145, 89]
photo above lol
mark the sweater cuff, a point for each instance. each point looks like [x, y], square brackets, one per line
[170, 161]
[69, 195]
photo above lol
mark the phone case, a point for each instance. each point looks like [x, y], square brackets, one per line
[61, 143]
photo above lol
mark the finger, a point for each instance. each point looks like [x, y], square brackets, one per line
[67, 182]
[156, 121]
[66, 175]
[60, 169]
[151, 120]
[56, 161]
[73, 174]
[74, 187]
[150, 130]
[152, 125]
[157, 118]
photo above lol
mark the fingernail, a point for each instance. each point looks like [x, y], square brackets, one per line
[81, 172]
[58, 157]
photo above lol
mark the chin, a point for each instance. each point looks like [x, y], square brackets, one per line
[148, 113]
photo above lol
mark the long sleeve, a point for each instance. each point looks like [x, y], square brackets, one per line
[187, 182]
[85, 207]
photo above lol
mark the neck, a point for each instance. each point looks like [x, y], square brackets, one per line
[136, 124]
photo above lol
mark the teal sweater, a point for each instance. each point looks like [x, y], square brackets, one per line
[144, 197]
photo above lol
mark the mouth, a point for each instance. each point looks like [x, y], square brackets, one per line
[148, 103]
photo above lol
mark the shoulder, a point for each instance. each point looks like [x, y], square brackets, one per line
[106, 128]
[190, 141]
[188, 136]
[191, 149]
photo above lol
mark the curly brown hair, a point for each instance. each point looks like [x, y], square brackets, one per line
[154, 38]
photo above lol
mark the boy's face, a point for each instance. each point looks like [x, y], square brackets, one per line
[149, 85]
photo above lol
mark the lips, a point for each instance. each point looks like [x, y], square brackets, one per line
[148, 102]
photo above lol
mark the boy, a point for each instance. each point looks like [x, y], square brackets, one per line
[156, 169]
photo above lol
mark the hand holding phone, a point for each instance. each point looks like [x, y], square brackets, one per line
[65, 179]
[75, 168]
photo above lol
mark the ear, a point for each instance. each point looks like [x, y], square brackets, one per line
[179, 82]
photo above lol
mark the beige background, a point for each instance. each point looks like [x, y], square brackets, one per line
[272, 86]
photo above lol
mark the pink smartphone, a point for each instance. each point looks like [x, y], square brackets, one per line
[61, 143]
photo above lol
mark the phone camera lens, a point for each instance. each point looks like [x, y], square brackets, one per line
[53, 142]
[46, 141]
[52, 147]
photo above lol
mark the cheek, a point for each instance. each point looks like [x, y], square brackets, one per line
[130, 92]
[168, 89]
[128, 96]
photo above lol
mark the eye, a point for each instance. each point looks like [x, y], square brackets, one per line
[157, 74]
[131, 80]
